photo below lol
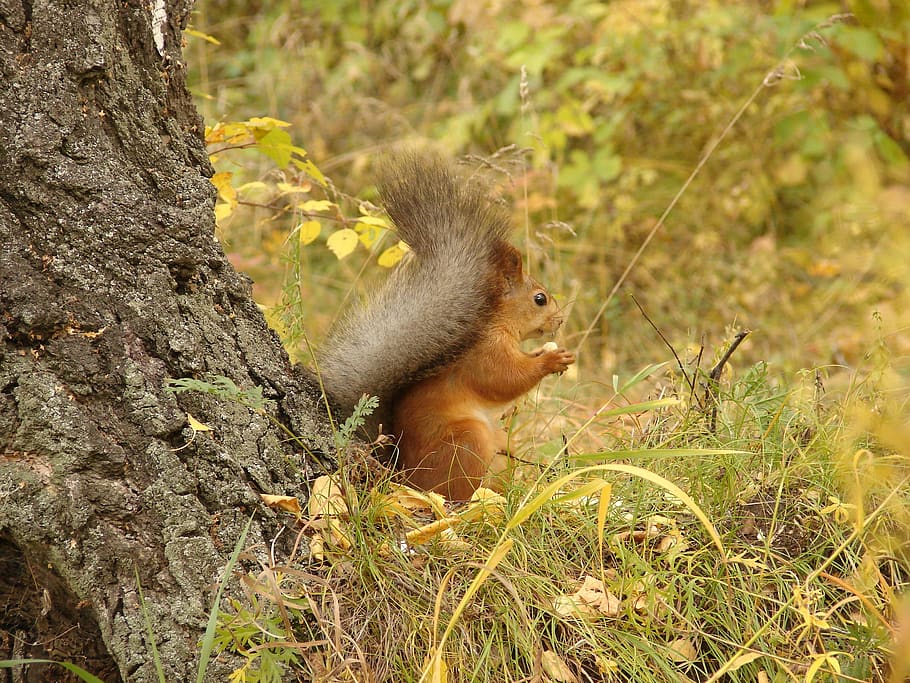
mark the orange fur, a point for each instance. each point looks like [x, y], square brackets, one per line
[449, 437]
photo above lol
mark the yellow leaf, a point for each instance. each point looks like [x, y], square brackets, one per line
[266, 123]
[556, 668]
[222, 182]
[439, 672]
[317, 205]
[342, 242]
[253, 186]
[484, 504]
[412, 499]
[749, 562]
[391, 256]
[368, 234]
[430, 531]
[819, 661]
[742, 660]
[374, 221]
[287, 503]
[214, 134]
[824, 268]
[199, 34]
[235, 131]
[309, 231]
[196, 425]
[288, 188]
[222, 211]
[607, 667]
[792, 171]
[330, 532]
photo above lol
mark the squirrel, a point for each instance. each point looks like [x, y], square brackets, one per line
[439, 342]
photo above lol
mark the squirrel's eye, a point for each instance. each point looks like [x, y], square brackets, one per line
[540, 299]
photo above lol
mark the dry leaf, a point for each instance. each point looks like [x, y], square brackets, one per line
[484, 504]
[326, 498]
[287, 503]
[555, 668]
[682, 650]
[430, 531]
[330, 532]
[609, 668]
[742, 660]
[196, 425]
[414, 500]
[592, 599]
[326, 506]
[438, 670]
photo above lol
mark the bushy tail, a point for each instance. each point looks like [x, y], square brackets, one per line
[433, 308]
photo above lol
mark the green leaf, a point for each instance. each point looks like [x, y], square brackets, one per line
[310, 169]
[276, 145]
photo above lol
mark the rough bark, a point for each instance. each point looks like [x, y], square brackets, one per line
[111, 281]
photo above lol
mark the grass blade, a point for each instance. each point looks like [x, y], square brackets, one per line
[72, 668]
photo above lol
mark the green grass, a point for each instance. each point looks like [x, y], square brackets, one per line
[814, 559]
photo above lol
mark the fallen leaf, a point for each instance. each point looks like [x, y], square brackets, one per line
[609, 668]
[592, 599]
[412, 499]
[326, 498]
[196, 425]
[742, 660]
[437, 668]
[429, 531]
[484, 503]
[287, 503]
[556, 668]
[682, 650]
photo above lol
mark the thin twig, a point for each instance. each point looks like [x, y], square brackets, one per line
[711, 386]
[660, 334]
[701, 352]
[775, 75]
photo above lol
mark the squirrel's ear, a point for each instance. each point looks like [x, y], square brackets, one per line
[510, 263]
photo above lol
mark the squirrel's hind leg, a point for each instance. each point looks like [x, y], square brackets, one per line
[456, 464]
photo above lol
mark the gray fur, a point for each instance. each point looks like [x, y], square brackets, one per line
[431, 310]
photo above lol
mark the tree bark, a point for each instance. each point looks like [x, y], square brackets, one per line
[111, 281]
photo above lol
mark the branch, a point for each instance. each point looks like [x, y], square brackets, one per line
[711, 385]
[682, 369]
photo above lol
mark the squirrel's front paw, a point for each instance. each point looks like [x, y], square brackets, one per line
[558, 360]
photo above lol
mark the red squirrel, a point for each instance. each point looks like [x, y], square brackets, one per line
[439, 342]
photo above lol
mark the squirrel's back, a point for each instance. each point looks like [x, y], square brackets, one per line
[429, 312]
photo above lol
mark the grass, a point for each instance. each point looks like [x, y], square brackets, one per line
[804, 477]
[809, 499]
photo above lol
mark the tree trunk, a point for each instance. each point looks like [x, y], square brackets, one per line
[111, 281]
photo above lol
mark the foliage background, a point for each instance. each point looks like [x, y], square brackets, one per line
[797, 226]
[593, 115]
